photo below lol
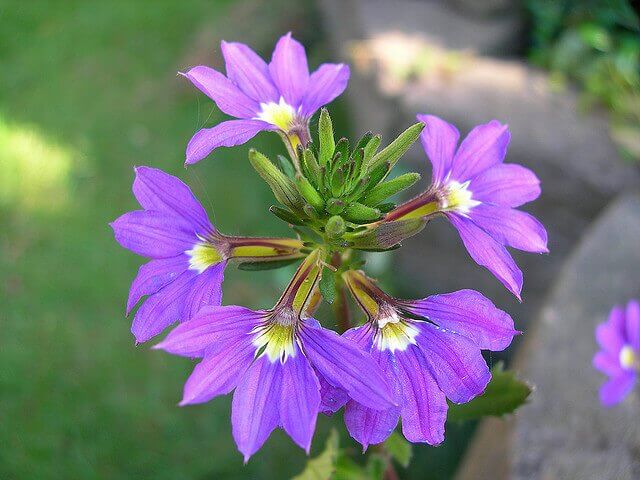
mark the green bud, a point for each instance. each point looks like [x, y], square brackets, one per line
[392, 152]
[371, 148]
[325, 133]
[334, 206]
[359, 213]
[377, 174]
[342, 149]
[311, 167]
[309, 193]
[337, 182]
[385, 235]
[385, 189]
[282, 187]
[335, 227]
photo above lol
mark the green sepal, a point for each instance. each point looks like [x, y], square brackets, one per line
[282, 187]
[399, 449]
[359, 213]
[504, 394]
[267, 265]
[286, 215]
[337, 181]
[396, 149]
[286, 166]
[323, 466]
[309, 193]
[325, 137]
[384, 190]
[327, 285]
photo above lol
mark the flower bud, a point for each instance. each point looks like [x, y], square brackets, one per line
[335, 227]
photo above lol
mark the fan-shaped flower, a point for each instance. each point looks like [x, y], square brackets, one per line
[430, 350]
[619, 359]
[281, 96]
[188, 255]
[478, 193]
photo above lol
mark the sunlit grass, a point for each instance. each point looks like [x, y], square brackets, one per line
[34, 170]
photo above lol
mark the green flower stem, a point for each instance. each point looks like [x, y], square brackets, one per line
[340, 304]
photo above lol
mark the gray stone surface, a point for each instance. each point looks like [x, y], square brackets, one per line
[571, 152]
[564, 433]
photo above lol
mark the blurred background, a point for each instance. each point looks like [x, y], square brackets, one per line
[88, 89]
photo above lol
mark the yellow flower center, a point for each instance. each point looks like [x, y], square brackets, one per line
[202, 256]
[457, 197]
[628, 358]
[280, 114]
[394, 333]
[276, 341]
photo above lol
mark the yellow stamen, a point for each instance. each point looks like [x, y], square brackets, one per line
[628, 358]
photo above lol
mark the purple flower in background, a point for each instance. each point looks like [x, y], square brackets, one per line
[275, 361]
[619, 359]
[188, 255]
[478, 193]
[280, 96]
[430, 350]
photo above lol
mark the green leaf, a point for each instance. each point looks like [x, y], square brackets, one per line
[386, 189]
[266, 265]
[309, 193]
[376, 466]
[399, 449]
[504, 394]
[323, 466]
[286, 215]
[328, 286]
[392, 152]
[347, 469]
[359, 213]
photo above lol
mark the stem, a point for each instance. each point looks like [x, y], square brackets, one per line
[340, 305]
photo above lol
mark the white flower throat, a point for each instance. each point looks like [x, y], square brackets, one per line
[457, 197]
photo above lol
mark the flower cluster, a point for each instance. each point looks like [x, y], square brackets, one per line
[410, 356]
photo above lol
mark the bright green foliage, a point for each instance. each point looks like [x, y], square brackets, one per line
[503, 395]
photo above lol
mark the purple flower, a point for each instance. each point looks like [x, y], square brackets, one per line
[619, 359]
[276, 362]
[430, 350]
[188, 255]
[478, 193]
[280, 96]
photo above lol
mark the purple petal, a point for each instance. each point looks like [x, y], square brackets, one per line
[289, 69]
[633, 324]
[368, 426]
[154, 234]
[249, 72]
[228, 97]
[325, 84]
[225, 134]
[489, 253]
[161, 309]
[471, 314]
[511, 227]
[362, 336]
[205, 291]
[455, 362]
[157, 190]
[506, 184]
[212, 326]
[485, 146]
[344, 365]
[254, 410]
[614, 391]
[439, 140]
[154, 275]
[424, 407]
[332, 398]
[299, 400]
[218, 373]
[611, 334]
[607, 364]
